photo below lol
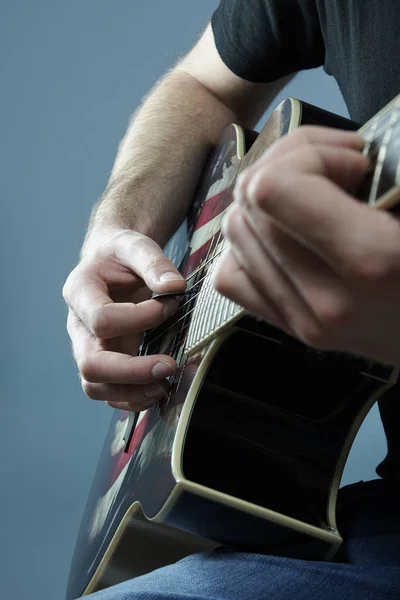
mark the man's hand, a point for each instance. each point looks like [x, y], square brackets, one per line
[306, 256]
[110, 306]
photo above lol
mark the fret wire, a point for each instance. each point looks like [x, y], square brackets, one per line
[196, 332]
[215, 241]
[214, 294]
[209, 321]
[177, 321]
[197, 271]
[194, 286]
[200, 326]
[224, 316]
[195, 324]
[214, 317]
[202, 266]
[229, 305]
[198, 303]
[208, 317]
[174, 324]
[199, 319]
[220, 307]
[225, 310]
[202, 315]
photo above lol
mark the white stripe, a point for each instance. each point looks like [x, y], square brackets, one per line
[206, 232]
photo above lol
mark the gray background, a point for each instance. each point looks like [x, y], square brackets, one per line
[71, 74]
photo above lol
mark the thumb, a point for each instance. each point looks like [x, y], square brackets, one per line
[145, 258]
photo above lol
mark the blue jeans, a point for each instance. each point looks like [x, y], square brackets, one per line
[366, 568]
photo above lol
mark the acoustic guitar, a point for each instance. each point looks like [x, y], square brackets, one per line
[248, 449]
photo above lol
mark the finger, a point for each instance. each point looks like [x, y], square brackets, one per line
[308, 136]
[97, 365]
[354, 240]
[144, 257]
[343, 166]
[106, 319]
[232, 281]
[127, 397]
[267, 276]
[328, 300]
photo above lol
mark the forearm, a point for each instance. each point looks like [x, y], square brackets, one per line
[160, 158]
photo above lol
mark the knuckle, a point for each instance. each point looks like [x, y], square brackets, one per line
[91, 390]
[67, 290]
[87, 369]
[369, 269]
[333, 314]
[330, 316]
[100, 323]
[71, 326]
[301, 136]
[229, 225]
[241, 183]
[74, 283]
[263, 186]
[306, 133]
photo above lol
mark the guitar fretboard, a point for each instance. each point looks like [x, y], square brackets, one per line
[380, 189]
[203, 311]
[211, 311]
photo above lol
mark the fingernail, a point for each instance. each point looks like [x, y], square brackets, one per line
[162, 369]
[153, 390]
[170, 276]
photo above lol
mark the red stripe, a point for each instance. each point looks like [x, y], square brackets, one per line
[214, 206]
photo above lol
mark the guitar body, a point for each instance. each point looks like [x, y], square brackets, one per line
[249, 448]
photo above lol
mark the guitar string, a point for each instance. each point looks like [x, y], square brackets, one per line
[210, 261]
[215, 242]
[200, 267]
[220, 238]
[197, 304]
[200, 280]
[177, 338]
[216, 239]
[211, 303]
[196, 284]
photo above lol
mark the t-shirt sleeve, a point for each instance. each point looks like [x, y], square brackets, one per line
[263, 40]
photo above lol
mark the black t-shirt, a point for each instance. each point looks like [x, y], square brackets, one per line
[357, 42]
